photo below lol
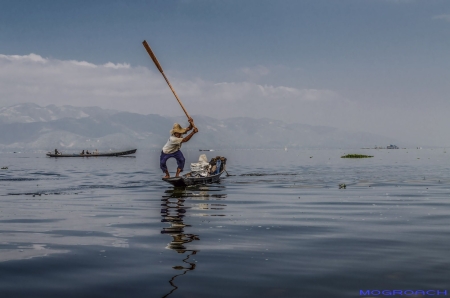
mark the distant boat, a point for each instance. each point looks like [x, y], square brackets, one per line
[205, 149]
[118, 153]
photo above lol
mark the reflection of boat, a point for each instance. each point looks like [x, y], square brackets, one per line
[118, 153]
[186, 180]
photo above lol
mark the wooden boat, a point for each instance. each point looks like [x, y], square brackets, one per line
[185, 180]
[120, 153]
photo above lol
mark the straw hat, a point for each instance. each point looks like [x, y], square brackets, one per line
[177, 128]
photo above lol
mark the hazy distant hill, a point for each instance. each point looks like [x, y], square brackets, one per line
[31, 127]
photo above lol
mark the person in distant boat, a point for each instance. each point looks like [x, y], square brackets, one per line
[87, 152]
[173, 145]
[56, 152]
[82, 152]
[96, 152]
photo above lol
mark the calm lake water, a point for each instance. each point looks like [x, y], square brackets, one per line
[279, 227]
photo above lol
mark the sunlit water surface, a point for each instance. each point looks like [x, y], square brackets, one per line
[278, 227]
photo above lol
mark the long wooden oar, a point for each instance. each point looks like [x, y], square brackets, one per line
[150, 52]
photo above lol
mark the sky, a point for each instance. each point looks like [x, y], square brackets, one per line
[380, 66]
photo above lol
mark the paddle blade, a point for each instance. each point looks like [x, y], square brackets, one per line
[150, 52]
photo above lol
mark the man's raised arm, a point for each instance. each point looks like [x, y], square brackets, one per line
[188, 137]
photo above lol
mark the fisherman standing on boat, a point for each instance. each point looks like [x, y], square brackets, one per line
[173, 145]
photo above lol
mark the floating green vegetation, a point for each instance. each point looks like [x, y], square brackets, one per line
[356, 156]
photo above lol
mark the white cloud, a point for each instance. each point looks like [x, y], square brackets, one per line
[116, 66]
[444, 17]
[32, 78]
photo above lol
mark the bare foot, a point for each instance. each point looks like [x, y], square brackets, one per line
[165, 177]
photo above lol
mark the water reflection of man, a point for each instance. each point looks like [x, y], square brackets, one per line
[176, 229]
[173, 213]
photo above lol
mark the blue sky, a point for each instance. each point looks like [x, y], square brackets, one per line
[380, 65]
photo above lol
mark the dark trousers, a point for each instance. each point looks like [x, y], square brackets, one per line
[177, 155]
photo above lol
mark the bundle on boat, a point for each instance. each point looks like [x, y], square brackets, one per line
[203, 168]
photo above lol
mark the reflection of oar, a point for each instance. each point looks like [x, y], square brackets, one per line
[150, 52]
[172, 280]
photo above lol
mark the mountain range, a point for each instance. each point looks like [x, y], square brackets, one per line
[30, 127]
